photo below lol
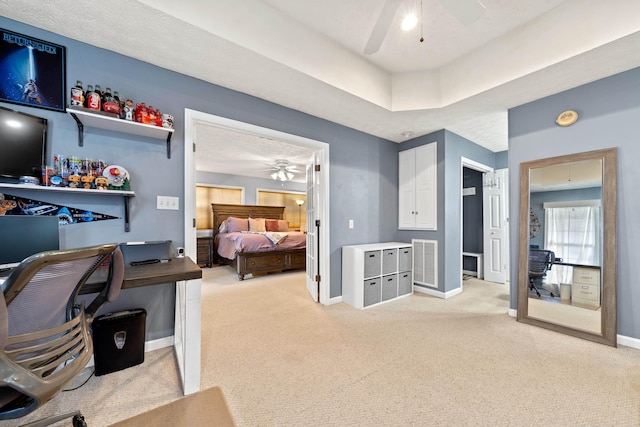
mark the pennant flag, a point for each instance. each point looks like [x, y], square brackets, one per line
[15, 205]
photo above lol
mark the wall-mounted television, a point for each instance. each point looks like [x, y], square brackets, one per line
[23, 144]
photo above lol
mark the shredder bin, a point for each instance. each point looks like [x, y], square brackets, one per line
[118, 340]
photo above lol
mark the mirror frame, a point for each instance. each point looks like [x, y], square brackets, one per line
[608, 275]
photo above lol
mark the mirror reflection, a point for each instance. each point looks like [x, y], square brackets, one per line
[565, 244]
[567, 250]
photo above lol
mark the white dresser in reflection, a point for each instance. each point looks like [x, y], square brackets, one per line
[585, 289]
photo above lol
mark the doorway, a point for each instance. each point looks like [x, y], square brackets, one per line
[193, 119]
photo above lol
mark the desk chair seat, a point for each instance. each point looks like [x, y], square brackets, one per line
[45, 338]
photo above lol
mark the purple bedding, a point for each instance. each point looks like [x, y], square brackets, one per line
[229, 244]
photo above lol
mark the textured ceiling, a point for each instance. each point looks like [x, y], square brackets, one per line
[307, 54]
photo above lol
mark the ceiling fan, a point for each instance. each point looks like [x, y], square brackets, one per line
[282, 171]
[465, 11]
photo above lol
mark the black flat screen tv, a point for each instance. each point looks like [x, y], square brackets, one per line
[23, 144]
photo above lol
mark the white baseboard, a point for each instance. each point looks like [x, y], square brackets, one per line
[629, 342]
[158, 344]
[335, 300]
[437, 293]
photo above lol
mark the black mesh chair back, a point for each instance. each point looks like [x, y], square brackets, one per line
[540, 261]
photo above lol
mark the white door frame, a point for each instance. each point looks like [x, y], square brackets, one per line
[191, 117]
[471, 164]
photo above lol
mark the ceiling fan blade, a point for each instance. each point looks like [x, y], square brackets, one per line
[465, 11]
[382, 26]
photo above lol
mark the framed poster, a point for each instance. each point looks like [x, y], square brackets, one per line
[32, 72]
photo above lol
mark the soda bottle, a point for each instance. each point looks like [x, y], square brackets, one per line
[109, 104]
[158, 118]
[86, 95]
[94, 100]
[77, 94]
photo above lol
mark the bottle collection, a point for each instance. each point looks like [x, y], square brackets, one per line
[93, 98]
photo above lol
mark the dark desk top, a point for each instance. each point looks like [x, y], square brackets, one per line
[175, 270]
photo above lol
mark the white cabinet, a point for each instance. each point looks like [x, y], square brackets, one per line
[417, 182]
[376, 273]
[585, 289]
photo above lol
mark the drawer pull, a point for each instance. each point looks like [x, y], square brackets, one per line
[372, 256]
[372, 283]
[584, 287]
[390, 280]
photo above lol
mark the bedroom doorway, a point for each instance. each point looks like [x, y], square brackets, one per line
[195, 119]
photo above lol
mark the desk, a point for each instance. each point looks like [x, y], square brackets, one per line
[187, 316]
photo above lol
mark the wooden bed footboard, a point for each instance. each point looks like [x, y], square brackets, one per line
[267, 262]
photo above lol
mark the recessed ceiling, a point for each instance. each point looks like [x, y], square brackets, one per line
[308, 54]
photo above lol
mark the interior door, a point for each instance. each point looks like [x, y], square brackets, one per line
[496, 226]
[313, 228]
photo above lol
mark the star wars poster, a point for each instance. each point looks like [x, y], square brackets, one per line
[32, 72]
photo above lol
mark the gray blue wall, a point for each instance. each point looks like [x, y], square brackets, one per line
[608, 117]
[363, 170]
[451, 149]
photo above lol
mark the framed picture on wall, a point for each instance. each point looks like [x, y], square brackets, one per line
[32, 72]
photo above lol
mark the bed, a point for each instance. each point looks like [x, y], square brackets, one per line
[254, 251]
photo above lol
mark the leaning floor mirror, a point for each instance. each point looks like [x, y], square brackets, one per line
[567, 255]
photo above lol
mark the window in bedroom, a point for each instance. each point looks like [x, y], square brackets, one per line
[294, 206]
[205, 195]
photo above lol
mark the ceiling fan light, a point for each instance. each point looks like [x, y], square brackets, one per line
[409, 22]
[289, 176]
[274, 175]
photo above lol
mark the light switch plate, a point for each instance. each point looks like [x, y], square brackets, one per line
[168, 202]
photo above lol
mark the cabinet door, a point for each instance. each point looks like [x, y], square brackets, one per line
[417, 188]
[406, 189]
[425, 187]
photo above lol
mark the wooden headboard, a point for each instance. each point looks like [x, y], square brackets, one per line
[223, 211]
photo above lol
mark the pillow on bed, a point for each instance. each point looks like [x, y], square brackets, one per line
[271, 225]
[283, 225]
[257, 224]
[235, 225]
[223, 227]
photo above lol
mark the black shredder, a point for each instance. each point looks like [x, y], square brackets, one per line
[118, 340]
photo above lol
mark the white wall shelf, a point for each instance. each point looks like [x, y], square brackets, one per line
[110, 122]
[124, 194]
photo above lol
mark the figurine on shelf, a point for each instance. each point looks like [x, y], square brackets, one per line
[101, 182]
[118, 178]
[87, 181]
[74, 180]
[128, 110]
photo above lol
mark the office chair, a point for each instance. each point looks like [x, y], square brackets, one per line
[540, 261]
[45, 336]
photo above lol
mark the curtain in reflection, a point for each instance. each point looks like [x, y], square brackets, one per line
[572, 233]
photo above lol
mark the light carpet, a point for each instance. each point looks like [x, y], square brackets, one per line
[283, 360]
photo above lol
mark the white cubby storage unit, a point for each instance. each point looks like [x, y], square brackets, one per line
[376, 273]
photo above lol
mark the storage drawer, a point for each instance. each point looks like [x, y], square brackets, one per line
[389, 261]
[589, 276]
[404, 259]
[389, 287]
[372, 263]
[372, 291]
[404, 283]
[585, 292]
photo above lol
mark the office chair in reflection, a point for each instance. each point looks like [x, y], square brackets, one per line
[45, 338]
[540, 261]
